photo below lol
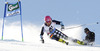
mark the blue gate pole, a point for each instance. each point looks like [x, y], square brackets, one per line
[21, 21]
[4, 19]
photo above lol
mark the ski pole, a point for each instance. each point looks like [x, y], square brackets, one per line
[81, 26]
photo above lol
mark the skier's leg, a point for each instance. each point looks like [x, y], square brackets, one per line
[59, 39]
[79, 42]
[61, 35]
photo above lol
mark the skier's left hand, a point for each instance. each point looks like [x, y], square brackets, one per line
[62, 28]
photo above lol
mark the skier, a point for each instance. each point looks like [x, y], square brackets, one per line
[90, 36]
[52, 32]
[89, 39]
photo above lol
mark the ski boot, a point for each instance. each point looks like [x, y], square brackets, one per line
[79, 42]
[66, 43]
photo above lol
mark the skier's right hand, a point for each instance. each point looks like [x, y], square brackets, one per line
[42, 40]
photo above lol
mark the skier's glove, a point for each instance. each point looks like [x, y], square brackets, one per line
[62, 28]
[42, 40]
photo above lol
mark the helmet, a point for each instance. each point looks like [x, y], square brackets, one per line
[86, 29]
[47, 19]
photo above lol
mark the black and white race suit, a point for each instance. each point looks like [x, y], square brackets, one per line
[52, 32]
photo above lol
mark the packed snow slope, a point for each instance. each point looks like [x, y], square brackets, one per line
[12, 45]
[12, 39]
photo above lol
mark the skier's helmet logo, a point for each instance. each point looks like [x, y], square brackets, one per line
[48, 19]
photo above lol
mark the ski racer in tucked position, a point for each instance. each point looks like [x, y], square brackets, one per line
[54, 33]
[89, 38]
[51, 31]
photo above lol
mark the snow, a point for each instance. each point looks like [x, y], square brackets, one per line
[12, 40]
[11, 45]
